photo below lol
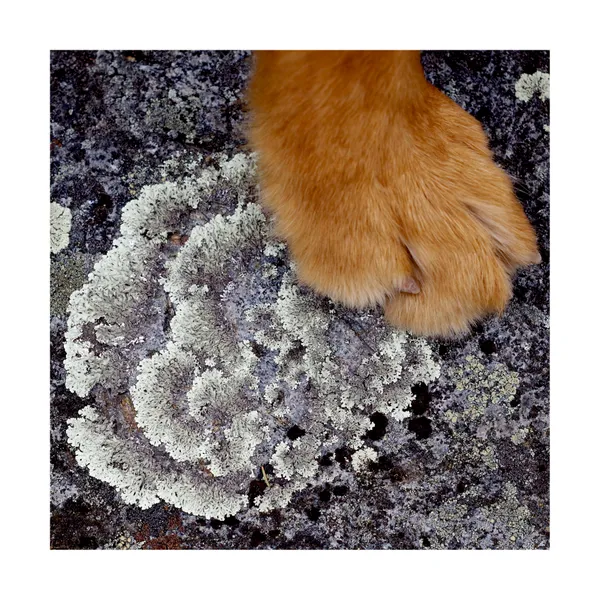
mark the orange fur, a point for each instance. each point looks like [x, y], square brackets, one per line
[385, 189]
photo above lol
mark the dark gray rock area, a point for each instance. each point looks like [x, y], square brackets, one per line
[461, 460]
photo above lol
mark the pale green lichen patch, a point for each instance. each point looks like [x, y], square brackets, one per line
[482, 386]
[174, 115]
[244, 354]
[519, 436]
[529, 86]
[486, 454]
[66, 276]
[504, 524]
[512, 520]
[125, 541]
[60, 227]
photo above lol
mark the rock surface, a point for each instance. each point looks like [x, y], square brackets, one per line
[461, 460]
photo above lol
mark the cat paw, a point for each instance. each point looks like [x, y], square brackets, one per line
[463, 226]
[385, 190]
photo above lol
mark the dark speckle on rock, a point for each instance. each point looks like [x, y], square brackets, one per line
[422, 398]
[421, 427]
[87, 543]
[231, 521]
[325, 496]
[384, 463]
[380, 422]
[487, 346]
[313, 513]
[325, 460]
[295, 432]
[257, 487]
[343, 456]
[257, 538]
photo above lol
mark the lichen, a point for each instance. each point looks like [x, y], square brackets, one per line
[362, 458]
[528, 86]
[196, 314]
[502, 524]
[66, 276]
[60, 227]
[124, 541]
[519, 436]
[482, 387]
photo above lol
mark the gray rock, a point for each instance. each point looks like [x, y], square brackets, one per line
[467, 465]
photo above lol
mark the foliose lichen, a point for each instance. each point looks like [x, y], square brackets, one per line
[60, 227]
[528, 85]
[196, 315]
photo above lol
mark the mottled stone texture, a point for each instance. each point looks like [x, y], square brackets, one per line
[470, 463]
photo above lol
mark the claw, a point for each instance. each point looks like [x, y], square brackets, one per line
[409, 285]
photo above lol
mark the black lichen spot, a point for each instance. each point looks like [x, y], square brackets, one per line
[380, 422]
[422, 398]
[102, 208]
[295, 432]
[421, 427]
[231, 521]
[313, 513]
[257, 349]
[87, 543]
[443, 349]
[534, 412]
[274, 533]
[343, 457]
[216, 523]
[256, 489]
[340, 490]
[487, 346]
[257, 538]
[325, 460]
[325, 496]
[426, 543]
[516, 400]
[461, 487]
